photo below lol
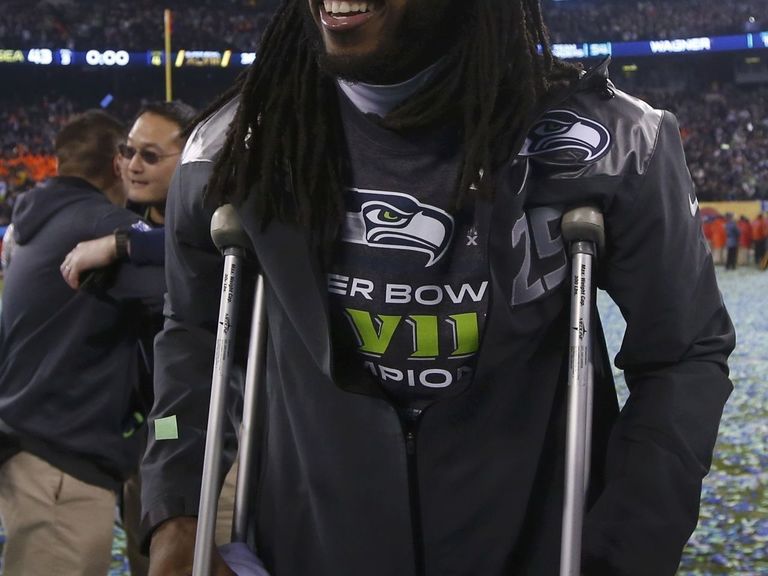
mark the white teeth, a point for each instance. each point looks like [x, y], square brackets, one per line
[345, 7]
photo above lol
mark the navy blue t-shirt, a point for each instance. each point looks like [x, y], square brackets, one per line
[408, 285]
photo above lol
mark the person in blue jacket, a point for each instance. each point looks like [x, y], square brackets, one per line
[732, 235]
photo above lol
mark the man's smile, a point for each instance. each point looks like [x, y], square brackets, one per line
[381, 41]
[342, 16]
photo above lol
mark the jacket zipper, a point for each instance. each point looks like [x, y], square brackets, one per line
[410, 419]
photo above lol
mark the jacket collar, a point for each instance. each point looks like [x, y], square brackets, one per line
[293, 274]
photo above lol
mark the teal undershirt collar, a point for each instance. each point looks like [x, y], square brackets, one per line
[381, 99]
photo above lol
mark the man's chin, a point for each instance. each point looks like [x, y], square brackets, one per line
[380, 67]
[397, 57]
[355, 68]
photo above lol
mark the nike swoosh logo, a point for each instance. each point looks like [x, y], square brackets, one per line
[693, 205]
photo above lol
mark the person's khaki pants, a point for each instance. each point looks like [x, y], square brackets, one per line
[225, 513]
[54, 523]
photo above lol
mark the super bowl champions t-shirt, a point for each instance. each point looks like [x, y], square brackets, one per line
[408, 287]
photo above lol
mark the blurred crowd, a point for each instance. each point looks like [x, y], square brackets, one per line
[628, 20]
[27, 133]
[32, 127]
[725, 134]
[238, 24]
[724, 130]
[77, 25]
[26, 141]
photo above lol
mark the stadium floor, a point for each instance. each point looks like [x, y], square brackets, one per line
[732, 536]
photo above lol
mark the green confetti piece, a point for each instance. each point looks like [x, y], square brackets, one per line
[138, 420]
[166, 428]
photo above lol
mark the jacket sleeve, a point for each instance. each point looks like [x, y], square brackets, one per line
[125, 281]
[172, 468]
[659, 271]
[147, 246]
[141, 283]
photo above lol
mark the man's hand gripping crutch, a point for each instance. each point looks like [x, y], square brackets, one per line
[583, 229]
[230, 238]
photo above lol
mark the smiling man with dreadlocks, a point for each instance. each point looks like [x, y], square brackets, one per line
[401, 167]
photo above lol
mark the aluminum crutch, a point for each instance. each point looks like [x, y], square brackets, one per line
[228, 236]
[254, 376]
[583, 229]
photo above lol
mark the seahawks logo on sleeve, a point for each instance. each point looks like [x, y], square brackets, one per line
[563, 130]
[396, 221]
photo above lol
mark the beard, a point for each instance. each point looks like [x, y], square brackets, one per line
[425, 34]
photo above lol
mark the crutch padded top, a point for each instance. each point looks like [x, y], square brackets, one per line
[227, 230]
[584, 224]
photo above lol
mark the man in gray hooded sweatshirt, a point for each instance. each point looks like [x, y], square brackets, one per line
[68, 364]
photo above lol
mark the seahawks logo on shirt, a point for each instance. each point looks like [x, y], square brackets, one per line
[396, 221]
[561, 130]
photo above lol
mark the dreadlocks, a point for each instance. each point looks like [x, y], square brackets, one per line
[286, 141]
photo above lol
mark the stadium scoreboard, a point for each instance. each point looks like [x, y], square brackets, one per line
[701, 44]
[122, 58]
[229, 58]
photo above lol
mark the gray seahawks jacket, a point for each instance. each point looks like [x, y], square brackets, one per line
[348, 487]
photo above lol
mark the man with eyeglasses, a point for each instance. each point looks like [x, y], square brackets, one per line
[148, 159]
[151, 153]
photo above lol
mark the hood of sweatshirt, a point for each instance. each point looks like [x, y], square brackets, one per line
[34, 208]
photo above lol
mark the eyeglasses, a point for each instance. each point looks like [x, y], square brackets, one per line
[148, 156]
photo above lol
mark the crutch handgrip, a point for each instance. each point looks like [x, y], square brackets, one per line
[584, 224]
[227, 229]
